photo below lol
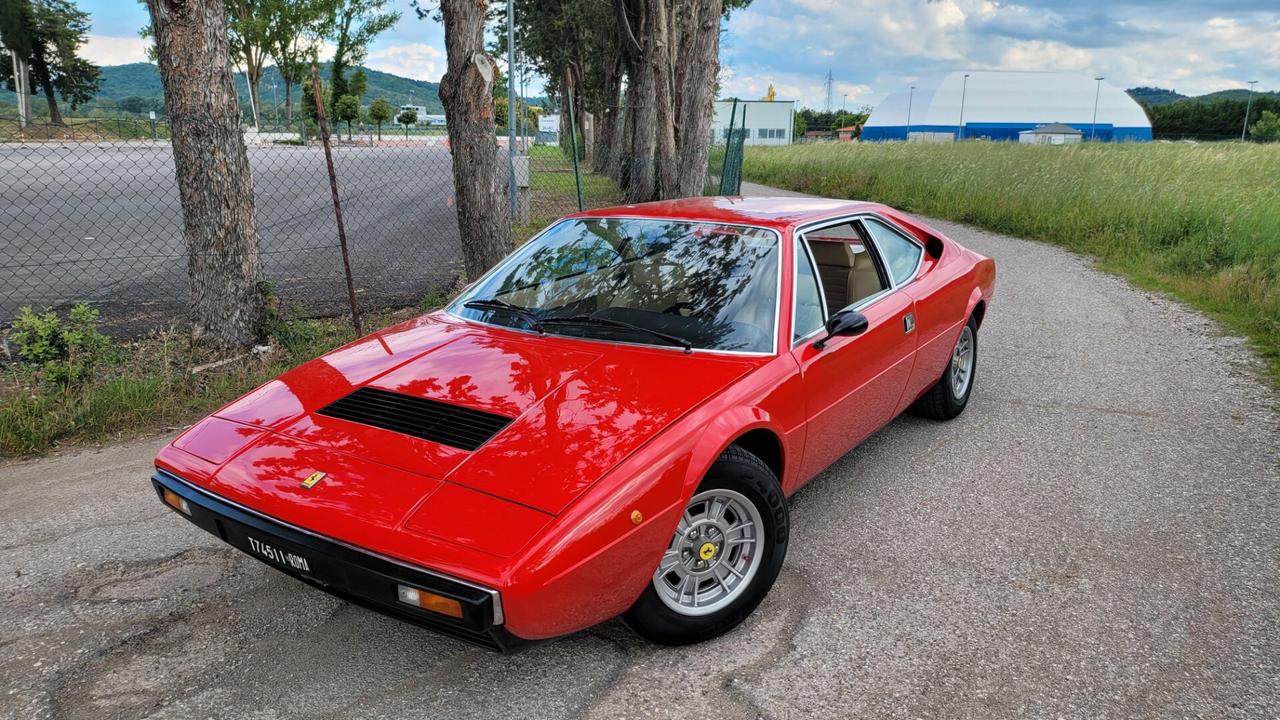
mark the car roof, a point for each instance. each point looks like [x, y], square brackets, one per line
[776, 212]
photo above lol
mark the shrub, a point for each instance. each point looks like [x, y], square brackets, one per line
[65, 351]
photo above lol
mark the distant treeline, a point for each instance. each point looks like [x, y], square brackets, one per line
[1207, 119]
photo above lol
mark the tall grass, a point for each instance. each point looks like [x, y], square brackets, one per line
[1199, 221]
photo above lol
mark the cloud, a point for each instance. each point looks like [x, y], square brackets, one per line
[1196, 46]
[1044, 55]
[114, 49]
[413, 60]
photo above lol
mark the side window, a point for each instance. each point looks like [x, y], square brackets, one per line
[900, 254]
[849, 272]
[808, 312]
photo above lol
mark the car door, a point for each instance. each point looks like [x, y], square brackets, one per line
[853, 384]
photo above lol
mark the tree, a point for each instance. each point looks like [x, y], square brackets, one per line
[665, 53]
[347, 109]
[407, 118]
[1267, 129]
[214, 182]
[48, 35]
[296, 29]
[380, 112]
[355, 24]
[249, 28]
[466, 90]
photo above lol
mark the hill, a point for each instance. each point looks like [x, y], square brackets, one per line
[143, 80]
[1155, 95]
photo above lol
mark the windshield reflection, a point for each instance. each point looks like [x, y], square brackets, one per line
[711, 284]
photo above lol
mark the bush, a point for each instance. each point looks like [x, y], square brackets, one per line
[1267, 129]
[65, 351]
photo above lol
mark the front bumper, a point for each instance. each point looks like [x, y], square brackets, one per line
[348, 572]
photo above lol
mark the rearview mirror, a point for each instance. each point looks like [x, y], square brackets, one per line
[845, 322]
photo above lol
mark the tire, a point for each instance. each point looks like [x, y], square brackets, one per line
[942, 401]
[736, 479]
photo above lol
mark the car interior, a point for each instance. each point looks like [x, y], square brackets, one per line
[848, 272]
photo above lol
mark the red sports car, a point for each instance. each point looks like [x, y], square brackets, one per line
[607, 423]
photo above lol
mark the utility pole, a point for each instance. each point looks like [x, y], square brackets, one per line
[963, 89]
[511, 106]
[911, 98]
[1093, 129]
[827, 83]
[1247, 107]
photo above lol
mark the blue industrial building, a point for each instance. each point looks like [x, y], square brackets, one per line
[997, 105]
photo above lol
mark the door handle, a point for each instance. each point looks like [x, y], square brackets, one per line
[908, 323]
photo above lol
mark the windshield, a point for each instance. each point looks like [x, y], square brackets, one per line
[703, 285]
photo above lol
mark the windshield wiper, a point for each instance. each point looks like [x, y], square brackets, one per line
[609, 322]
[523, 313]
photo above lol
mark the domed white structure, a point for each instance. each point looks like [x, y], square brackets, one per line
[997, 105]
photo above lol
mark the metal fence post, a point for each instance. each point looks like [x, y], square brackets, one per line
[573, 134]
[337, 204]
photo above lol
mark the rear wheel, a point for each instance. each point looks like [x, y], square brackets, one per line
[722, 558]
[950, 395]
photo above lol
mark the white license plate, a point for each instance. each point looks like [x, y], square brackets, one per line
[291, 560]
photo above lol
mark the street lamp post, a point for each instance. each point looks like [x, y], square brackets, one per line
[963, 90]
[1093, 129]
[1247, 107]
[275, 100]
[911, 97]
[844, 103]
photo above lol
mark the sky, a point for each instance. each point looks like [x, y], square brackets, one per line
[874, 47]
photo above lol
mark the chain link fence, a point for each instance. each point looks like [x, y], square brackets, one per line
[90, 213]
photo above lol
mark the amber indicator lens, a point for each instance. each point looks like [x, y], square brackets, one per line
[429, 601]
[172, 499]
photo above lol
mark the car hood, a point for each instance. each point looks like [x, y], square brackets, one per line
[575, 409]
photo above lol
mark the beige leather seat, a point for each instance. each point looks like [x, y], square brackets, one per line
[848, 273]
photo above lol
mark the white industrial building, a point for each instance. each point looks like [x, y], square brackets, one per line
[999, 105]
[423, 117]
[767, 122]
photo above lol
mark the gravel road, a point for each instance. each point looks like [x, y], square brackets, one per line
[1097, 536]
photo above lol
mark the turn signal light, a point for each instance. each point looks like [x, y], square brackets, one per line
[173, 500]
[426, 600]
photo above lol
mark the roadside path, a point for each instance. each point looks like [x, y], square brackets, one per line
[1097, 536]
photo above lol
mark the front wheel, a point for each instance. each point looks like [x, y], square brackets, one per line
[723, 557]
[950, 395]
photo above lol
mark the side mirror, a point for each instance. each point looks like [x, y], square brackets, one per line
[845, 322]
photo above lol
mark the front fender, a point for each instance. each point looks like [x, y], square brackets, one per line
[599, 555]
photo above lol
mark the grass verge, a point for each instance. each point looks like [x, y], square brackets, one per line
[1201, 222]
[148, 385]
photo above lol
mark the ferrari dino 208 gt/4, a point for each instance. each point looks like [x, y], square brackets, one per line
[608, 423]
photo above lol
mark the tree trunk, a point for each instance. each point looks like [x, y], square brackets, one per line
[658, 49]
[607, 128]
[466, 90]
[41, 70]
[214, 182]
[288, 103]
[700, 62]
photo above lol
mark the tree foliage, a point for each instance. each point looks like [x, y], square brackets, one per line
[354, 24]
[1221, 118]
[1267, 129]
[347, 110]
[380, 111]
[48, 35]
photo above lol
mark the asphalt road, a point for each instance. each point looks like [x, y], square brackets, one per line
[1097, 536]
[101, 222]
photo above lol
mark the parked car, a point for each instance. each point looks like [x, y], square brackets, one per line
[608, 423]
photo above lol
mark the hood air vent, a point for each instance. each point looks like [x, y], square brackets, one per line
[432, 420]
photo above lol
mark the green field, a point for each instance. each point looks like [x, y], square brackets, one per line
[1201, 222]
